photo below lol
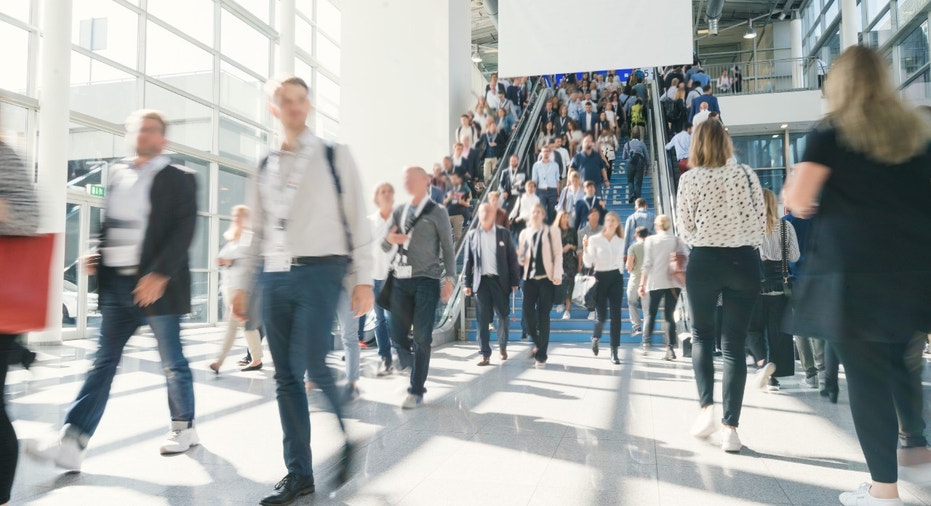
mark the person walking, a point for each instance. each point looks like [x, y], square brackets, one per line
[540, 253]
[546, 176]
[604, 252]
[19, 215]
[312, 234]
[238, 239]
[143, 277]
[642, 217]
[381, 222]
[638, 161]
[634, 264]
[570, 261]
[656, 280]
[490, 273]
[866, 168]
[423, 272]
[722, 217]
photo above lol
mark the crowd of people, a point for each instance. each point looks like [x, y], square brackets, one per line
[728, 246]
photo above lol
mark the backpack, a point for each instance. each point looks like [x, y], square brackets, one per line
[669, 109]
[636, 115]
[637, 160]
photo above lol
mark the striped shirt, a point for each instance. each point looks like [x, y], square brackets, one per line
[18, 194]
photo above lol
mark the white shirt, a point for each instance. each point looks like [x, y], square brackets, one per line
[488, 250]
[128, 208]
[234, 250]
[657, 253]
[524, 207]
[491, 98]
[721, 207]
[682, 141]
[700, 117]
[604, 254]
[772, 243]
[382, 259]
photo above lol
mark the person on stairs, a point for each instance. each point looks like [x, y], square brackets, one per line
[638, 161]
[604, 253]
[661, 286]
[540, 253]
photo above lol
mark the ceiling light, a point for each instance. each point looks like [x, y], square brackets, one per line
[751, 33]
[784, 126]
[775, 136]
[476, 56]
[702, 31]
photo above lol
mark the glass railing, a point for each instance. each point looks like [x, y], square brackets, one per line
[764, 76]
[521, 144]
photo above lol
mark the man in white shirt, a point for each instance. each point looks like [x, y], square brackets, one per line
[491, 92]
[588, 119]
[702, 115]
[563, 154]
[467, 128]
[546, 176]
[682, 142]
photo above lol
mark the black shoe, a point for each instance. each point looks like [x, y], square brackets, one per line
[595, 346]
[670, 355]
[831, 392]
[614, 357]
[28, 358]
[245, 361]
[252, 367]
[344, 466]
[288, 489]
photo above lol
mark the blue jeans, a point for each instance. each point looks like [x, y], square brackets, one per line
[382, 324]
[121, 318]
[349, 335]
[413, 304]
[298, 308]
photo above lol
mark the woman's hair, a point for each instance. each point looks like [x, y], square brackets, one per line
[662, 223]
[384, 185]
[680, 94]
[559, 216]
[868, 114]
[674, 83]
[619, 231]
[234, 230]
[772, 210]
[711, 146]
[574, 176]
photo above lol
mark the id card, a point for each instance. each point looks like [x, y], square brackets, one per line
[280, 262]
[403, 272]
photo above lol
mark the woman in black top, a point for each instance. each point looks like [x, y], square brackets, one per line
[870, 163]
[570, 259]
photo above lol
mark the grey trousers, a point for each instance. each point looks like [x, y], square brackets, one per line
[811, 354]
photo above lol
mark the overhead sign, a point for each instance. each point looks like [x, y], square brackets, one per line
[543, 37]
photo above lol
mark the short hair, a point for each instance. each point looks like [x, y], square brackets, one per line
[466, 116]
[635, 132]
[642, 232]
[706, 87]
[137, 118]
[378, 190]
[273, 86]
[662, 222]
[711, 146]
[531, 182]
[589, 183]
[494, 194]
[641, 202]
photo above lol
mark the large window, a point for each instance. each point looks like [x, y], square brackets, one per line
[913, 52]
[15, 63]
[106, 29]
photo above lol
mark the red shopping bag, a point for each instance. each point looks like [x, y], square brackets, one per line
[24, 277]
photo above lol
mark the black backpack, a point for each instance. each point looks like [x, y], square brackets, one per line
[637, 160]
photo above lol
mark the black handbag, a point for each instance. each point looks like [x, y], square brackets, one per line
[383, 297]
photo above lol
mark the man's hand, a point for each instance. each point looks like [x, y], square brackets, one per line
[239, 304]
[446, 291]
[150, 288]
[557, 281]
[395, 238]
[224, 262]
[467, 292]
[642, 291]
[90, 264]
[363, 298]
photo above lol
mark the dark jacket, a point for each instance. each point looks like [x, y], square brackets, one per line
[168, 237]
[696, 105]
[582, 210]
[508, 268]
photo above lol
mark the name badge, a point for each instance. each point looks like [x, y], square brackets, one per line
[279, 262]
[403, 272]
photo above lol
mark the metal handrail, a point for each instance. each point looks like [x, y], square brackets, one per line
[768, 76]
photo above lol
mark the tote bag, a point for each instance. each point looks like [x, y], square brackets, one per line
[24, 268]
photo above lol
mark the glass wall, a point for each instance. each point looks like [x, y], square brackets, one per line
[201, 62]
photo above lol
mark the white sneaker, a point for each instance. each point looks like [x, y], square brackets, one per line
[64, 451]
[179, 439]
[730, 441]
[705, 424]
[560, 308]
[591, 316]
[540, 365]
[761, 379]
[412, 401]
[566, 315]
[862, 497]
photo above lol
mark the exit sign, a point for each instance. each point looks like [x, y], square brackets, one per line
[96, 190]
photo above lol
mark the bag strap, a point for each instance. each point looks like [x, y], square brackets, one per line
[785, 253]
[330, 156]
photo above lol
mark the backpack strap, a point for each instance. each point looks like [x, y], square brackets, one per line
[337, 182]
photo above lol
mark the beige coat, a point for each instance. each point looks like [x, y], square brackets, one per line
[552, 252]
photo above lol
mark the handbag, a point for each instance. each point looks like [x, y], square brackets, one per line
[786, 282]
[25, 265]
[584, 284]
[678, 262]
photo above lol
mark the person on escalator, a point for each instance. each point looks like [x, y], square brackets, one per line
[638, 160]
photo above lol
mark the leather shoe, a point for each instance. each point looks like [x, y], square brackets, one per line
[288, 489]
[504, 355]
[484, 361]
[252, 367]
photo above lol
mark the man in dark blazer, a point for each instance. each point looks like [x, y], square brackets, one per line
[490, 278]
[585, 206]
[144, 278]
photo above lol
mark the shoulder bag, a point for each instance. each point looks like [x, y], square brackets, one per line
[786, 282]
[25, 267]
[383, 297]
[678, 262]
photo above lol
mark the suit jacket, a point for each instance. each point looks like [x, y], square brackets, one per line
[168, 237]
[581, 212]
[551, 248]
[588, 126]
[506, 258]
[696, 105]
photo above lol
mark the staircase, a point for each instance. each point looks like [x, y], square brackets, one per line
[579, 328]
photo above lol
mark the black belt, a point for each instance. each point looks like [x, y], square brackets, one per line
[330, 259]
[489, 275]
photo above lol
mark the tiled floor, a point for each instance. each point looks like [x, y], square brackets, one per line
[579, 432]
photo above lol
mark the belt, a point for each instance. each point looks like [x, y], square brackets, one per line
[126, 271]
[489, 275]
[329, 259]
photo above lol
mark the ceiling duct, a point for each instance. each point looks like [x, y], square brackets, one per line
[713, 15]
[491, 7]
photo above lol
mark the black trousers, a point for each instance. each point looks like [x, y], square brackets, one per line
[9, 446]
[766, 340]
[671, 298]
[492, 298]
[880, 389]
[733, 273]
[635, 180]
[538, 301]
[609, 295]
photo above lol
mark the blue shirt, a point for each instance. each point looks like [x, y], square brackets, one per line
[682, 141]
[546, 174]
[589, 166]
[640, 218]
[701, 77]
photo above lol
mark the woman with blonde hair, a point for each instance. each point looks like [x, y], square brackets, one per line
[772, 348]
[604, 252]
[572, 193]
[865, 170]
[539, 251]
[657, 282]
[238, 239]
[722, 217]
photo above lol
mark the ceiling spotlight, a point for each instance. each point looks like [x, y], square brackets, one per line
[784, 126]
[476, 57]
[751, 33]
[775, 136]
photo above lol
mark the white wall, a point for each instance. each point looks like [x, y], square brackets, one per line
[772, 108]
[405, 79]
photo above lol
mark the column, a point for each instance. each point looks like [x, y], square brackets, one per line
[52, 159]
[426, 71]
[286, 38]
[795, 50]
[848, 30]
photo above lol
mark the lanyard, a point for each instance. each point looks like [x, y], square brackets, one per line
[282, 188]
